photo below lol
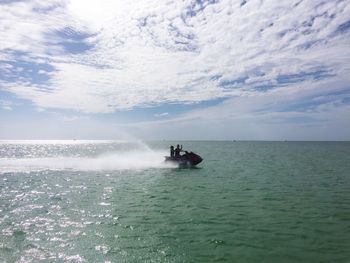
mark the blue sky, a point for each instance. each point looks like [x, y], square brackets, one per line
[250, 70]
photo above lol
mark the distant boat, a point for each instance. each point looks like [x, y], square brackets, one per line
[189, 159]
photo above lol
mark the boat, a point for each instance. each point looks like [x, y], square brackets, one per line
[189, 159]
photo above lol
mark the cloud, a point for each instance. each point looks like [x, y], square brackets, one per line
[119, 55]
[6, 105]
[308, 111]
[161, 114]
[68, 117]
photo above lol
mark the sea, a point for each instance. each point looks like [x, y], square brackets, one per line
[117, 201]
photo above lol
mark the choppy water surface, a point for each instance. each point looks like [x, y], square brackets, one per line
[90, 201]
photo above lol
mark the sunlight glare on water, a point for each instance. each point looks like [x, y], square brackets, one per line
[116, 201]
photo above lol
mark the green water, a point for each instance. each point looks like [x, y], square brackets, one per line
[247, 202]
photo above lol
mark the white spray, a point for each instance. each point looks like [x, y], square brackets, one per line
[140, 158]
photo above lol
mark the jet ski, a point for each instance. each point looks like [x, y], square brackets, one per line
[189, 159]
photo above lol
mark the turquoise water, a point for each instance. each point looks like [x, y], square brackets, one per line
[91, 201]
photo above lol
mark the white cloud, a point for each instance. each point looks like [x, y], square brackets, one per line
[151, 52]
[161, 114]
[23, 29]
[6, 105]
[300, 112]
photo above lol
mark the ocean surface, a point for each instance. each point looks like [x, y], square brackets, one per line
[116, 201]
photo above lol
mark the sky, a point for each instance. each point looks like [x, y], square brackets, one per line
[175, 69]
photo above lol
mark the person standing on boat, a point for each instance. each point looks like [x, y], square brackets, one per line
[177, 151]
[172, 151]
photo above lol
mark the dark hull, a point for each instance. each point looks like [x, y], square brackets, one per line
[187, 160]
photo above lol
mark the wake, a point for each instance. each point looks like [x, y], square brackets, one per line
[130, 160]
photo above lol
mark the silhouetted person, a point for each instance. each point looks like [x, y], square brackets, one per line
[172, 151]
[177, 151]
